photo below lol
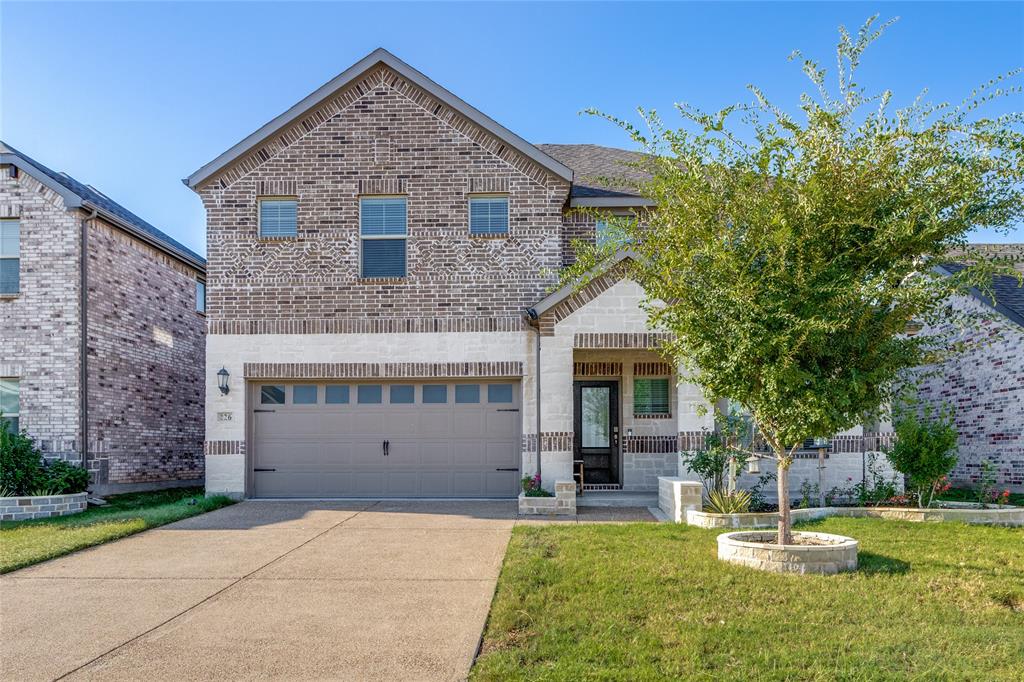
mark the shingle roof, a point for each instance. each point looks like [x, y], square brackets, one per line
[599, 171]
[95, 198]
[1008, 293]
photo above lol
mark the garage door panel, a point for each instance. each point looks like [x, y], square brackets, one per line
[435, 449]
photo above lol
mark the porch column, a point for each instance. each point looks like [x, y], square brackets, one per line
[555, 410]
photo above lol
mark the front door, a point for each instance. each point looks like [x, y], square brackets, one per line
[596, 430]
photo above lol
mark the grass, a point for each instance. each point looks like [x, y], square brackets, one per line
[938, 601]
[23, 543]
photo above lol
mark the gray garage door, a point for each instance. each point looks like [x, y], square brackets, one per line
[400, 439]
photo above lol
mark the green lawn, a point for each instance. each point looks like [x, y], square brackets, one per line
[651, 601]
[23, 543]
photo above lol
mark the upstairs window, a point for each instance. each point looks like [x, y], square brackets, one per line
[200, 296]
[382, 230]
[650, 397]
[488, 215]
[10, 256]
[601, 229]
[10, 404]
[278, 217]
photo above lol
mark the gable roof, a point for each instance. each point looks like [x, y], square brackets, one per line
[604, 176]
[324, 92]
[79, 195]
[555, 298]
[1009, 295]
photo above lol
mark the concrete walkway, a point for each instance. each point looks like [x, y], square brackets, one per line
[289, 590]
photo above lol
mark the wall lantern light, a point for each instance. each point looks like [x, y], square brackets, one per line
[222, 380]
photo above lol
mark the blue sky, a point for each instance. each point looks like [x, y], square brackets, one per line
[132, 97]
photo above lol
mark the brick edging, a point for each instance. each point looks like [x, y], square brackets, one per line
[379, 370]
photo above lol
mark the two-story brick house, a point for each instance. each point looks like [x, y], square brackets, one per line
[381, 263]
[101, 331]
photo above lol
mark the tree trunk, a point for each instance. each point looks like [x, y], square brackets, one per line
[785, 536]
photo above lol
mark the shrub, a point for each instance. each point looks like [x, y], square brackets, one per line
[722, 452]
[728, 503]
[23, 471]
[925, 452]
[20, 462]
[62, 478]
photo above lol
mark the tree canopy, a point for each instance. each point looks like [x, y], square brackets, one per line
[788, 252]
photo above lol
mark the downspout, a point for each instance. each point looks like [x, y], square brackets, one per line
[83, 352]
[534, 319]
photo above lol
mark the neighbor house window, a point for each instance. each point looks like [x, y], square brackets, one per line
[278, 217]
[382, 231]
[200, 296]
[10, 404]
[488, 215]
[650, 397]
[10, 256]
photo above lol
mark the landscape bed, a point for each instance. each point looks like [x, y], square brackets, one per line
[23, 543]
[928, 601]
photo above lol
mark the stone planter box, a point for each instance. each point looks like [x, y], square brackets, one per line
[562, 504]
[678, 496]
[23, 508]
[751, 548]
[992, 516]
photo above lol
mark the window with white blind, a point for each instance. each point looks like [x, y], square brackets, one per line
[278, 217]
[650, 397]
[382, 230]
[488, 215]
[200, 296]
[10, 256]
[10, 404]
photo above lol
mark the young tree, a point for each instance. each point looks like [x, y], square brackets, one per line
[788, 253]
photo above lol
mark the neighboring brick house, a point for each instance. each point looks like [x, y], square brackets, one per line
[381, 258]
[131, 386]
[985, 384]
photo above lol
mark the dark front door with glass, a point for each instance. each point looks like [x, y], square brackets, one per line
[596, 430]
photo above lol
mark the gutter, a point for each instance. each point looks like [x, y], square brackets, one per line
[83, 351]
[533, 320]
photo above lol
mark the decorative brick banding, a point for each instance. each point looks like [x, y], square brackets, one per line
[550, 441]
[368, 325]
[755, 549]
[378, 370]
[224, 447]
[41, 507]
[597, 369]
[652, 369]
[640, 340]
[650, 444]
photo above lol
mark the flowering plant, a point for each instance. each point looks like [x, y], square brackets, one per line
[532, 487]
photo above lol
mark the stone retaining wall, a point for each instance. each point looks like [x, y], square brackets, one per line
[1005, 516]
[23, 508]
[677, 496]
[562, 504]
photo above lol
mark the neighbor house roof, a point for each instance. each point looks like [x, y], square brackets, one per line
[1008, 293]
[79, 195]
[324, 92]
[603, 176]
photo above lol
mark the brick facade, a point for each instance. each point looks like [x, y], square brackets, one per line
[40, 326]
[145, 344]
[146, 360]
[985, 388]
[434, 158]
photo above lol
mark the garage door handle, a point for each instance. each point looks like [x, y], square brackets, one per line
[264, 410]
[387, 446]
[512, 469]
[255, 469]
[506, 409]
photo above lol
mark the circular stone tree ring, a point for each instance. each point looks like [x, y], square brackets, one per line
[821, 553]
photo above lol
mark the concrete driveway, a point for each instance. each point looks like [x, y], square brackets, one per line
[291, 590]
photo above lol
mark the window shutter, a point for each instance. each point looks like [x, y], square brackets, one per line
[278, 217]
[488, 215]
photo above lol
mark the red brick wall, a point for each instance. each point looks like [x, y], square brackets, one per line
[146, 363]
[390, 139]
